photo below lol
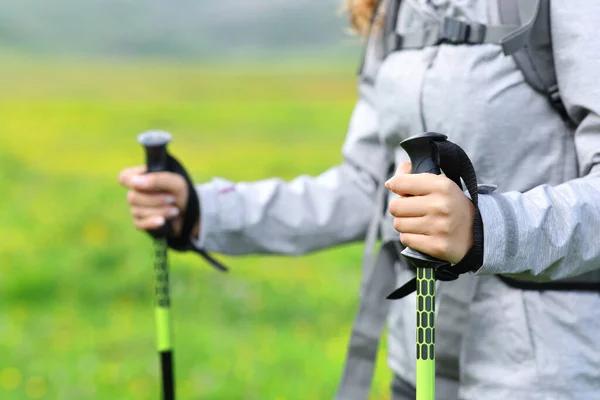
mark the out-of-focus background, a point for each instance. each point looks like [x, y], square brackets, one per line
[250, 89]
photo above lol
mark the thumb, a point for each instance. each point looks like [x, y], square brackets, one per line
[404, 168]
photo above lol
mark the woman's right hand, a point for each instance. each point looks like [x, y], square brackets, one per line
[155, 198]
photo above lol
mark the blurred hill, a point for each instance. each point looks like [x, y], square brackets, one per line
[183, 28]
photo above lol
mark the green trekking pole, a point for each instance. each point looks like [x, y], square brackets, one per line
[155, 144]
[425, 159]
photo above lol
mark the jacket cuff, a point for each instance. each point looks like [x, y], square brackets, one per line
[495, 240]
[214, 201]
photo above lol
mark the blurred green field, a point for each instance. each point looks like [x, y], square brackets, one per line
[76, 306]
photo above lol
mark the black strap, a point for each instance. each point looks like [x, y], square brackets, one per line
[182, 242]
[531, 48]
[392, 41]
[456, 165]
[563, 286]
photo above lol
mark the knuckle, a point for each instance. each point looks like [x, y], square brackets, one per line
[445, 185]
[441, 207]
[393, 207]
[151, 181]
[179, 183]
[440, 248]
[405, 240]
[443, 226]
[398, 224]
[131, 197]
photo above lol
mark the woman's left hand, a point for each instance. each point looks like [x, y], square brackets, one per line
[433, 215]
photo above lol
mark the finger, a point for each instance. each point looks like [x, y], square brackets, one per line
[415, 241]
[404, 168]
[417, 225]
[402, 207]
[149, 223]
[142, 199]
[126, 174]
[147, 212]
[159, 182]
[425, 244]
[413, 184]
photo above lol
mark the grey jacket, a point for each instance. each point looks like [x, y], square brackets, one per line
[543, 222]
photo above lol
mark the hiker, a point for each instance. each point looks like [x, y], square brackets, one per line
[523, 323]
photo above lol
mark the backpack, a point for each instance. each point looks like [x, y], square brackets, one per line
[524, 34]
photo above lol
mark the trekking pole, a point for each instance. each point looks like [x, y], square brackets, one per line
[425, 159]
[155, 144]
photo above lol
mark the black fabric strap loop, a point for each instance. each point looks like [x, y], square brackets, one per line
[183, 242]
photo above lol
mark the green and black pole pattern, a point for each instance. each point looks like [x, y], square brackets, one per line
[155, 143]
[424, 158]
[163, 317]
[425, 368]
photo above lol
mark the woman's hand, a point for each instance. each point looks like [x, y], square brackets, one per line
[155, 198]
[432, 215]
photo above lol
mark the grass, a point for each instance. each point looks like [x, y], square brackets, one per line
[76, 306]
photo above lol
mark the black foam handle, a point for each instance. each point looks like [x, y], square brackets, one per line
[155, 144]
[156, 158]
[422, 152]
[424, 158]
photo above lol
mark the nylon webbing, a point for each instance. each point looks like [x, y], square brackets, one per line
[372, 235]
[183, 242]
[371, 317]
[527, 10]
[509, 12]
[430, 36]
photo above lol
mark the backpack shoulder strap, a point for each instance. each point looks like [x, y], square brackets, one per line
[361, 67]
[531, 47]
[509, 12]
[391, 39]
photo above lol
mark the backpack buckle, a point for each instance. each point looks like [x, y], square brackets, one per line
[455, 31]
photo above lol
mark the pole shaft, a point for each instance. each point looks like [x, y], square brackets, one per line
[425, 368]
[163, 317]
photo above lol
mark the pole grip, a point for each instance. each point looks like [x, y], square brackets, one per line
[424, 158]
[155, 145]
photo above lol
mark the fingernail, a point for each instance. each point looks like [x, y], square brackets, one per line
[139, 181]
[173, 212]
[387, 183]
[169, 199]
[158, 221]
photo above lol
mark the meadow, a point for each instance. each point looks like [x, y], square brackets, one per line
[76, 279]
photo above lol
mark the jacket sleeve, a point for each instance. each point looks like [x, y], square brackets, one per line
[551, 233]
[308, 213]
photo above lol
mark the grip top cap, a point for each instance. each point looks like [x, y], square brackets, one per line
[154, 138]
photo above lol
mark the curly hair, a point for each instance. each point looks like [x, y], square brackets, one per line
[360, 13]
